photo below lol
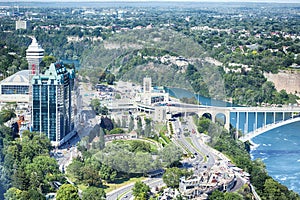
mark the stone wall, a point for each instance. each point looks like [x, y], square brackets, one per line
[287, 80]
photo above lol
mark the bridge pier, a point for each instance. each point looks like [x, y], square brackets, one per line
[213, 112]
[252, 118]
[237, 124]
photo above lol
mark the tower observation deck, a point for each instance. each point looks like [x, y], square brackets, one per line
[34, 56]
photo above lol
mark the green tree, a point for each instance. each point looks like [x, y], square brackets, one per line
[6, 115]
[131, 124]
[93, 193]
[19, 178]
[116, 131]
[13, 194]
[118, 96]
[232, 196]
[139, 126]
[139, 146]
[34, 144]
[47, 60]
[297, 60]
[170, 155]
[172, 175]
[143, 162]
[107, 173]
[204, 124]
[67, 192]
[74, 169]
[42, 171]
[102, 76]
[273, 190]
[216, 195]
[140, 191]
[95, 103]
[268, 89]
[35, 195]
[110, 78]
[91, 176]
[101, 139]
[124, 122]
[103, 110]
[148, 127]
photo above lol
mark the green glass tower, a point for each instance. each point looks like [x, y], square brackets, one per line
[52, 111]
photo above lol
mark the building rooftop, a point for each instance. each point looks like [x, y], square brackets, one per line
[34, 46]
[19, 78]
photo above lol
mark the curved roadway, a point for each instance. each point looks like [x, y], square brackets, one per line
[204, 157]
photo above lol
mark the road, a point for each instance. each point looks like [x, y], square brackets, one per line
[204, 156]
[64, 157]
[85, 121]
[126, 191]
[198, 163]
[207, 156]
[86, 117]
[213, 156]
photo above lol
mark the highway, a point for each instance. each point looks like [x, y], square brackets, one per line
[85, 120]
[126, 191]
[204, 158]
[202, 153]
[207, 156]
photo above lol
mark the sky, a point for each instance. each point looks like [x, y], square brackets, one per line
[278, 1]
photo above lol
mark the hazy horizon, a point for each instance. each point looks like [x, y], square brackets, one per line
[138, 1]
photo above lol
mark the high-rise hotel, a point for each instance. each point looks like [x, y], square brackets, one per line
[52, 102]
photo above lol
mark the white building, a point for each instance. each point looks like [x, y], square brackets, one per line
[15, 88]
[21, 24]
[152, 95]
[160, 114]
[34, 56]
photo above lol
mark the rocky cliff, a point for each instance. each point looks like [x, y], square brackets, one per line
[287, 80]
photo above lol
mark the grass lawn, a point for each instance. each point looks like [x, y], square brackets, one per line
[82, 187]
[108, 187]
[160, 127]
[114, 186]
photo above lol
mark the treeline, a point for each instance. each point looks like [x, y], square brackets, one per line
[27, 170]
[243, 88]
[119, 160]
[12, 53]
[238, 152]
[252, 88]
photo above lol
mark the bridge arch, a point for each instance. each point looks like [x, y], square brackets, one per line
[212, 112]
[207, 115]
[220, 118]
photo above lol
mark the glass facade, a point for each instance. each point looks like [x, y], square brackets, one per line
[14, 89]
[51, 102]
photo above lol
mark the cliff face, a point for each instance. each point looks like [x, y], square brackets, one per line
[286, 80]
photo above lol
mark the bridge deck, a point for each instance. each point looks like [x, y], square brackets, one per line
[269, 127]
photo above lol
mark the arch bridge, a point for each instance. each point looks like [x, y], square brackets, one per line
[251, 121]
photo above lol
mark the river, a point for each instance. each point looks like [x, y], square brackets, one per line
[279, 148]
[280, 151]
